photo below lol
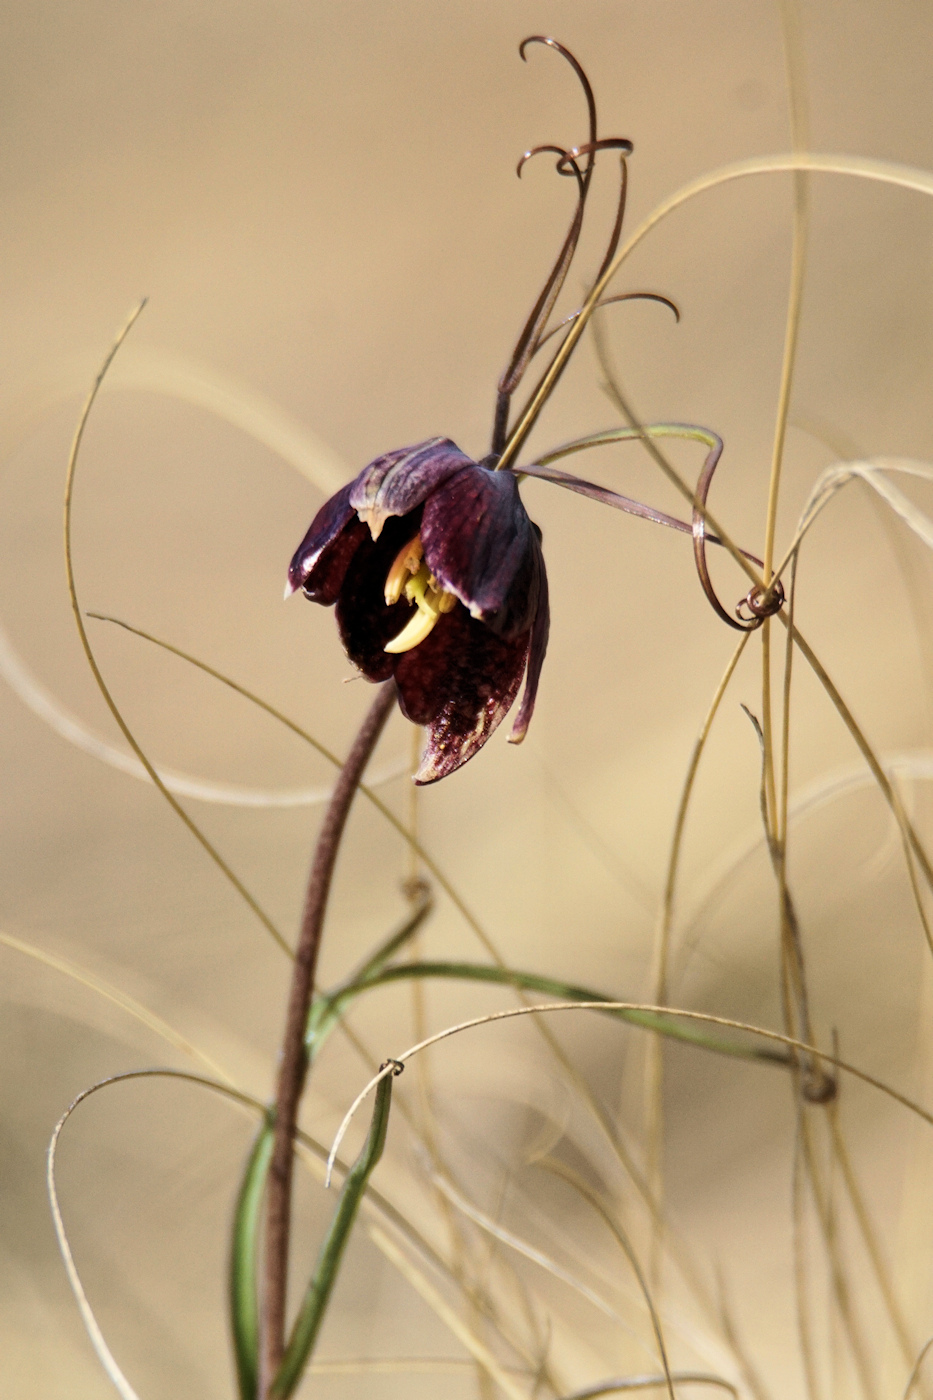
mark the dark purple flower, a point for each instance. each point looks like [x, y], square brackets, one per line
[439, 581]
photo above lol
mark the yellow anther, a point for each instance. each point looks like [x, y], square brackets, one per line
[406, 562]
[419, 626]
[421, 589]
[418, 590]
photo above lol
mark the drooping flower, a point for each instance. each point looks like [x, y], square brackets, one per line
[439, 580]
[430, 557]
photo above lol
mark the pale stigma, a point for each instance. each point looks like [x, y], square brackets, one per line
[410, 574]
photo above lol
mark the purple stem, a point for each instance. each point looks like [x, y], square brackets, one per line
[293, 1066]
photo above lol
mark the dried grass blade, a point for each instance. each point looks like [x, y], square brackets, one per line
[192, 826]
[438, 1304]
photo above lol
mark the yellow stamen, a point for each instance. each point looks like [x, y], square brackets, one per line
[407, 561]
[419, 626]
[421, 588]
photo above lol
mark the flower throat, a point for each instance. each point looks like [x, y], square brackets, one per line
[410, 575]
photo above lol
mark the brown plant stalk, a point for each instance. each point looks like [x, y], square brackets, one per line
[293, 1066]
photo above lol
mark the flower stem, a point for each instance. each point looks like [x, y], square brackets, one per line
[294, 1060]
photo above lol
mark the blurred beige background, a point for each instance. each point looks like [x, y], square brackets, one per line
[320, 202]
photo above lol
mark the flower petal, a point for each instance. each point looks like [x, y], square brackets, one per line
[481, 546]
[320, 561]
[460, 682]
[401, 481]
[366, 622]
[536, 652]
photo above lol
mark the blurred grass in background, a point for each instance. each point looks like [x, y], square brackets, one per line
[320, 203]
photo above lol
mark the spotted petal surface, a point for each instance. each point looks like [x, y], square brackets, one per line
[463, 675]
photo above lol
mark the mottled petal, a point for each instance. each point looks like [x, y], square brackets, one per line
[402, 480]
[460, 682]
[536, 652]
[321, 560]
[365, 621]
[481, 546]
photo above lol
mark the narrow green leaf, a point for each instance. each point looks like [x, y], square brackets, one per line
[311, 1314]
[244, 1299]
[550, 986]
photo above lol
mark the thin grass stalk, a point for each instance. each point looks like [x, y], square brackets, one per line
[584, 1189]
[727, 1323]
[427, 1126]
[801, 1290]
[794, 1000]
[881, 778]
[840, 1283]
[885, 172]
[459, 903]
[308, 1150]
[537, 1256]
[294, 1059]
[414, 884]
[456, 1268]
[439, 1305]
[915, 1373]
[102, 686]
[784, 789]
[890, 792]
[869, 1235]
[799, 124]
[623, 1384]
[654, 1066]
[133, 1008]
[706, 1017]
[679, 1252]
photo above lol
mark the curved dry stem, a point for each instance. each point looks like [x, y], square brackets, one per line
[885, 172]
[91, 1325]
[445, 884]
[707, 1018]
[311, 1152]
[840, 1285]
[869, 1236]
[415, 845]
[915, 1373]
[654, 1066]
[698, 504]
[583, 1189]
[236, 403]
[873, 474]
[804, 1338]
[455, 1271]
[913, 845]
[522, 1247]
[620, 1384]
[800, 139]
[442, 1309]
[123, 1000]
[176, 806]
